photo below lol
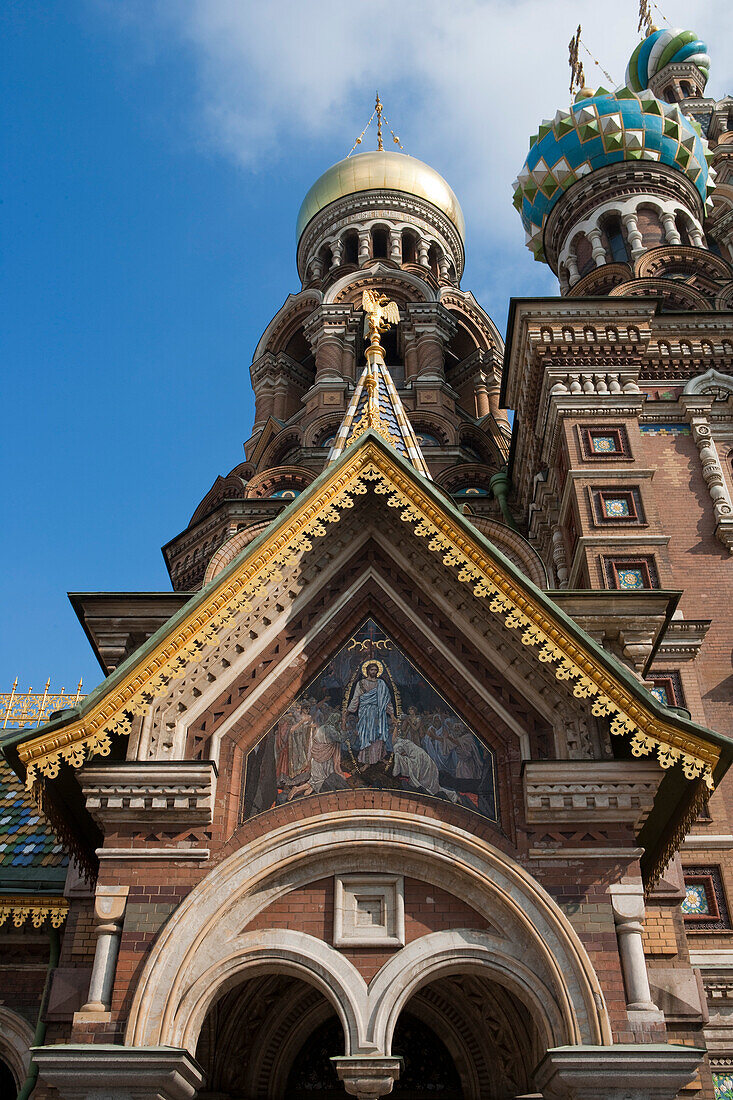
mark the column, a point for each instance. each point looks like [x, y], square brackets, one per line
[671, 235]
[409, 343]
[572, 265]
[696, 238]
[633, 233]
[368, 1076]
[364, 246]
[696, 410]
[481, 396]
[599, 252]
[337, 251]
[627, 902]
[559, 557]
[422, 252]
[395, 246]
[109, 912]
[329, 358]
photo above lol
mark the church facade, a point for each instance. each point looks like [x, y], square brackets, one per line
[415, 783]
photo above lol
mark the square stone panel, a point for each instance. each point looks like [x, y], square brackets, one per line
[369, 911]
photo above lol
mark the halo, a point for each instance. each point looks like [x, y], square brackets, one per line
[372, 661]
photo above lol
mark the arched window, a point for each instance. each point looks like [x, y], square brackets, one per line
[326, 257]
[433, 259]
[681, 224]
[380, 242]
[409, 247]
[351, 247]
[426, 439]
[687, 89]
[615, 236]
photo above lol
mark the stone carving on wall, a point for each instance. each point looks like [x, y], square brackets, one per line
[370, 719]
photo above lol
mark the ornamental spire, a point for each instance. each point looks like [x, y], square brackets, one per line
[376, 403]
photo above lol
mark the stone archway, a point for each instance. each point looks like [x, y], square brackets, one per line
[528, 946]
[16, 1039]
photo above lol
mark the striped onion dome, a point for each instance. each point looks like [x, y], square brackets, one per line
[600, 129]
[662, 48]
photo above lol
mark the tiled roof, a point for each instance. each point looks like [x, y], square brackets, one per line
[26, 839]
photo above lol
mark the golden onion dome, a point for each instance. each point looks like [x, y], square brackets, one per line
[381, 170]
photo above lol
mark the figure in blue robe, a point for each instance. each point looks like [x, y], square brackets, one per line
[372, 705]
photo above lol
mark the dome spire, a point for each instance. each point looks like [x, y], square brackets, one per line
[379, 112]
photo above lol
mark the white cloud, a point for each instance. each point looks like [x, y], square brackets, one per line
[466, 83]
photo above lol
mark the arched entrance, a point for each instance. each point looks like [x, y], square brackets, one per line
[459, 1037]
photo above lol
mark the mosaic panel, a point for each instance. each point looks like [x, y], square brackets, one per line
[705, 908]
[616, 506]
[723, 1086]
[603, 444]
[370, 718]
[696, 900]
[472, 491]
[665, 429]
[631, 578]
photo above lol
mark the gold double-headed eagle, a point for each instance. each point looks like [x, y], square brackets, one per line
[381, 312]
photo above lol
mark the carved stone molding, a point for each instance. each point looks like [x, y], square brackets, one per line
[643, 1071]
[697, 409]
[560, 791]
[176, 795]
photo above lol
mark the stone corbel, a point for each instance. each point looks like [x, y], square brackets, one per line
[177, 795]
[643, 1071]
[368, 1076]
[568, 792]
[85, 1071]
[697, 408]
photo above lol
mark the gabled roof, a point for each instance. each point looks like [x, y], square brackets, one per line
[593, 676]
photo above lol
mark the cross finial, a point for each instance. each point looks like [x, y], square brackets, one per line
[379, 112]
[577, 76]
[378, 109]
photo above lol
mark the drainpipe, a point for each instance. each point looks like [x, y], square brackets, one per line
[54, 949]
[500, 485]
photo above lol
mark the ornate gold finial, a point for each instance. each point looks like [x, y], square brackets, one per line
[577, 76]
[379, 112]
[645, 18]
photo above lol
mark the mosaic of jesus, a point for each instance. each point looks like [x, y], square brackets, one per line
[370, 719]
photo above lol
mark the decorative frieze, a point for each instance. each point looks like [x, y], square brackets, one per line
[175, 794]
[560, 791]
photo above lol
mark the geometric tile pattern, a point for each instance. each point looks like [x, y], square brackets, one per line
[662, 48]
[616, 506]
[665, 429]
[603, 444]
[599, 130]
[26, 839]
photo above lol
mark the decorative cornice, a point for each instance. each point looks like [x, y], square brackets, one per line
[177, 793]
[20, 908]
[560, 791]
[112, 709]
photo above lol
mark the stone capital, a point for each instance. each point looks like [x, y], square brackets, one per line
[82, 1071]
[647, 1071]
[627, 902]
[368, 1076]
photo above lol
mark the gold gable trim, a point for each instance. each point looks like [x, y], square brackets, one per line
[368, 465]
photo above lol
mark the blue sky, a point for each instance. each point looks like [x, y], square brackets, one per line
[156, 155]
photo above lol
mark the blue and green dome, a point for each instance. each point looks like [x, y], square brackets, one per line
[662, 48]
[598, 130]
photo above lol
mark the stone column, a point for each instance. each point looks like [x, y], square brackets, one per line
[410, 345]
[481, 396]
[109, 912]
[337, 251]
[634, 234]
[599, 252]
[671, 235]
[329, 357]
[368, 1076]
[559, 557]
[697, 409]
[422, 252]
[627, 901]
[572, 265]
[395, 246]
[364, 247]
[696, 239]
